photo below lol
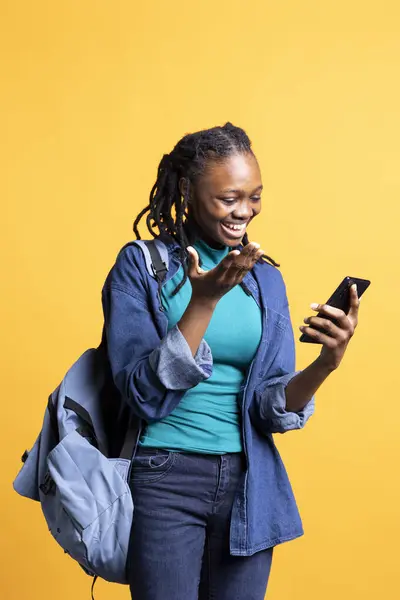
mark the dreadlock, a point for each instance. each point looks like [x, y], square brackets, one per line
[168, 208]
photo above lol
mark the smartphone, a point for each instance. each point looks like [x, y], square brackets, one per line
[340, 299]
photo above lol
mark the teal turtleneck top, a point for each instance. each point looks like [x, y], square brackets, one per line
[207, 420]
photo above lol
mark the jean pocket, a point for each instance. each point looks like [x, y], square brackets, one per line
[151, 464]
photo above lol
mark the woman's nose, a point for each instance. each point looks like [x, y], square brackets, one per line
[243, 211]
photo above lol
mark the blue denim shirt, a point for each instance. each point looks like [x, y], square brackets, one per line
[153, 368]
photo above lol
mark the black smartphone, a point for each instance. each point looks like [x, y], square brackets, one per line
[340, 299]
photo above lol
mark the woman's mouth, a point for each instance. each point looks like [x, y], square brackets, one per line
[234, 231]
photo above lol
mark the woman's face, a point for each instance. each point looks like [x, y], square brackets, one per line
[226, 198]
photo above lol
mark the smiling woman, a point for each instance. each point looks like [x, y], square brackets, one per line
[213, 182]
[212, 377]
[223, 212]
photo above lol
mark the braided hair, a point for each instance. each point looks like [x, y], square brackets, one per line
[168, 208]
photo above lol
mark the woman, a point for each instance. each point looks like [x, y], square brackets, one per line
[212, 375]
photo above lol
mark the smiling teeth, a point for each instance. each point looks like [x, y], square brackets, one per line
[235, 227]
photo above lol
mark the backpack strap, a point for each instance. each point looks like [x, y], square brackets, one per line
[95, 577]
[156, 258]
[131, 438]
[158, 265]
[53, 418]
[155, 255]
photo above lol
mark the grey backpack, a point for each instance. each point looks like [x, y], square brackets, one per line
[77, 469]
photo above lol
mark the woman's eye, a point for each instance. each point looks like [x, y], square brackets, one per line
[228, 200]
[255, 198]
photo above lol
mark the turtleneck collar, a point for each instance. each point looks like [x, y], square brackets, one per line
[210, 257]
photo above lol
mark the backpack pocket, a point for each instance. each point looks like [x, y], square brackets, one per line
[91, 506]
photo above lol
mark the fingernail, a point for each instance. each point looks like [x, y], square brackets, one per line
[314, 305]
[354, 287]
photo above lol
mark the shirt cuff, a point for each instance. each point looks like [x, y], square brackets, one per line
[273, 406]
[174, 364]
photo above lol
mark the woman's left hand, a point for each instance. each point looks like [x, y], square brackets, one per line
[339, 334]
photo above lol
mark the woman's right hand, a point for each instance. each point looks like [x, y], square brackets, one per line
[210, 286]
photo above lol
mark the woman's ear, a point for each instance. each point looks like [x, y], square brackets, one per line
[185, 189]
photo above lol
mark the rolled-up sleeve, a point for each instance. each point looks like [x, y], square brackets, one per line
[174, 364]
[272, 407]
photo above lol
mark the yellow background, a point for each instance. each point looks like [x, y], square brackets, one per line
[93, 93]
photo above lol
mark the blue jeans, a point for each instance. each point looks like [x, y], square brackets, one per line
[180, 536]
